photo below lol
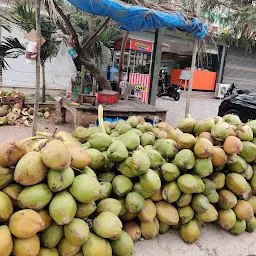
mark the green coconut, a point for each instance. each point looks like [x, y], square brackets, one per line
[30, 170]
[187, 183]
[109, 205]
[123, 246]
[186, 214]
[185, 159]
[253, 181]
[85, 210]
[252, 202]
[117, 151]
[88, 171]
[227, 199]
[252, 125]
[200, 185]
[232, 159]
[150, 181]
[148, 213]
[171, 192]
[131, 140]
[85, 188]
[203, 167]
[200, 203]
[170, 172]
[190, 232]
[248, 173]
[6, 208]
[209, 187]
[118, 124]
[226, 219]
[57, 150]
[125, 127]
[96, 245]
[63, 208]
[186, 141]
[84, 134]
[141, 162]
[238, 167]
[167, 213]
[52, 235]
[167, 148]
[155, 158]
[204, 125]
[245, 133]
[100, 141]
[76, 232]
[126, 168]
[187, 124]
[105, 190]
[108, 165]
[114, 134]
[213, 197]
[238, 228]
[121, 185]
[237, 184]
[60, 180]
[184, 200]
[139, 189]
[150, 230]
[106, 176]
[66, 248]
[147, 138]
[98, 159]
[220, 131]
[6, 176]
[86, 145]
[123, 209]
[203, 148]
[251, 225]
[107, 225]
[133, 121]
[249, 151]
[232, 119]
[48, 252]
[218, 179]
[134, 202]
[145, 127]
[163, 228]
[35, 197]
[208, 216]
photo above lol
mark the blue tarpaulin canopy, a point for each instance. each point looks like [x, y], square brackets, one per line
[137, 18]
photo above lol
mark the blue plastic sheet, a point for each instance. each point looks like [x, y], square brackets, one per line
[136, 18]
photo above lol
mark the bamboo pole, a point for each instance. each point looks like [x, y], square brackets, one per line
[193, 64]
[37, 92]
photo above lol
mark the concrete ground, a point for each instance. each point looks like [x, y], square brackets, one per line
[213, 240]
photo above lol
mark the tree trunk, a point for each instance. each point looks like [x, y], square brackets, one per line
[44, 83]
[90, 25]
[121, 61]
[95, 72]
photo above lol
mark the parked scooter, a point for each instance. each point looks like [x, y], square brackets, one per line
[171, 90]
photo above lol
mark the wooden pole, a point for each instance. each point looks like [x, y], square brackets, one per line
[37, 92]
[193, 63]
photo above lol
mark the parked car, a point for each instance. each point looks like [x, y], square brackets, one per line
[243, 105]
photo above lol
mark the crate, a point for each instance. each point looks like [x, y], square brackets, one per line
[11, 101]
[107, 97]
[86, 98]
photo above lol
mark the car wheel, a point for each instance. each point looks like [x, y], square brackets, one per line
[176, 96]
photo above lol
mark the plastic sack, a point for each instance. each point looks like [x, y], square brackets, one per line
[64, 68]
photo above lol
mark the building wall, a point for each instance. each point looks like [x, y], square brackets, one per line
[23, 75]
[240, 67]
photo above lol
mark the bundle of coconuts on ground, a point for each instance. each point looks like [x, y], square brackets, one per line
[16, 114]
[98, 191]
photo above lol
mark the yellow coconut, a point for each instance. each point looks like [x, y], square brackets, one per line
[243, 210]
[26, 247]
[148, 213]
[133, 229]
[232, 145]
[6, 244]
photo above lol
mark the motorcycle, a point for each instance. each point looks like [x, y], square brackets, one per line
[171, 90]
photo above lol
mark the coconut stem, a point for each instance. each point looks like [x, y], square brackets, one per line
[32, 138]
[100, 118]
[44, 134]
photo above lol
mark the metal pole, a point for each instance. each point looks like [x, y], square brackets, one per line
[154, 75]
[223, 57]
[37, 92]
[193, 65]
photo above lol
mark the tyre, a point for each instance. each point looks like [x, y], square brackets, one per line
[176, 96]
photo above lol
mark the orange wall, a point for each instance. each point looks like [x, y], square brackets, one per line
[203, 80]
